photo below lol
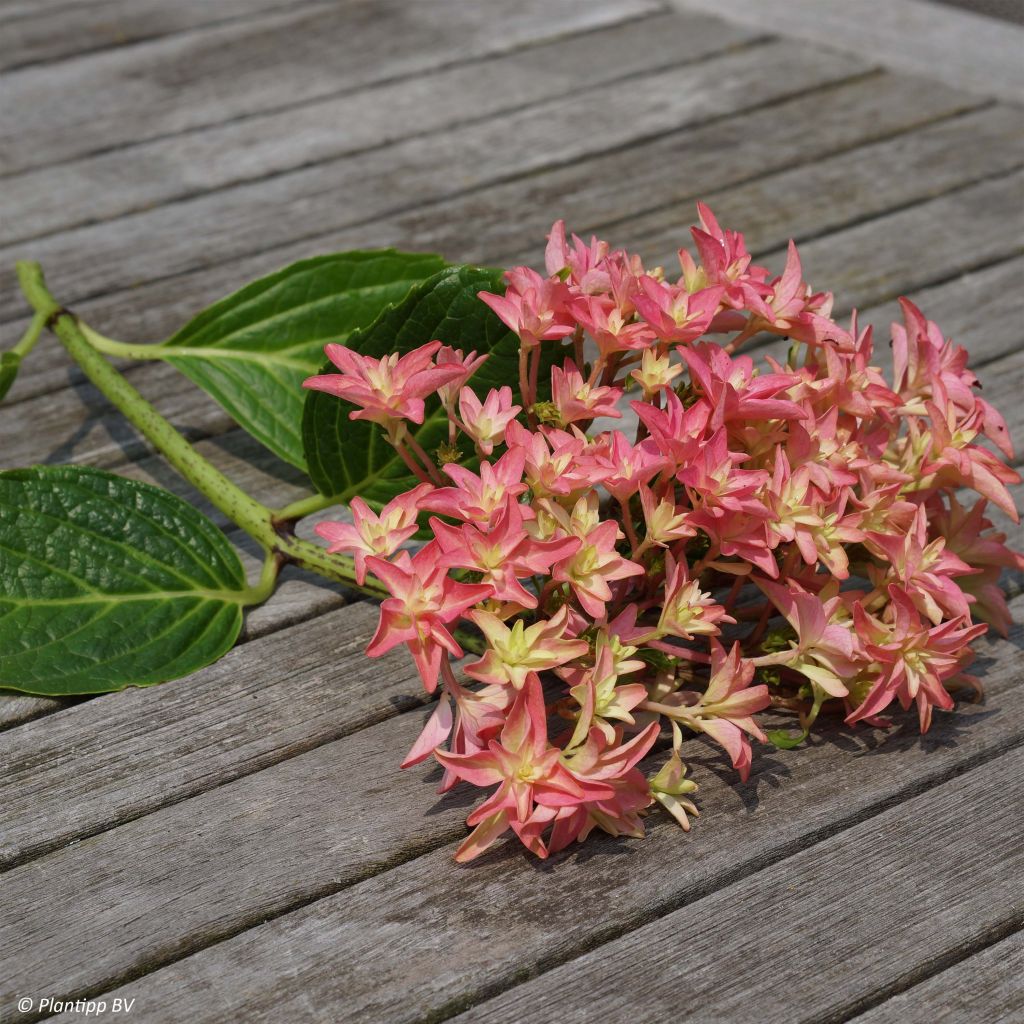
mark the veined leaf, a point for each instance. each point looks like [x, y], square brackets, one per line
[251, 350]
[351, 457]
[107, 582]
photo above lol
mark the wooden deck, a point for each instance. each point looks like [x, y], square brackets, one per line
[240, 845]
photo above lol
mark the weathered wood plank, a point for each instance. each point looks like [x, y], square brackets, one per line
[969, 329]
[999, 156]
[299, 596]
[76, 425]
[247, 67]
[16, 709]
[477, 227]
[817, 198]
[891, 255]
[886, 256]
[380, 951]
[955, 304]
[983, 310]
[132, 178]
[938, 42]
[246, 218]
[981, 989]
[866, 911]
[125, 754]
[69, 31]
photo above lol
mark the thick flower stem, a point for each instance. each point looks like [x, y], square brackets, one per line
[257, 520]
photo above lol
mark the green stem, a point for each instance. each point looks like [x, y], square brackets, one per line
[120, 349]
[313, 503]
[264, 586]
[30, 337]
[10, 361]
[256, 519]
[340, 568]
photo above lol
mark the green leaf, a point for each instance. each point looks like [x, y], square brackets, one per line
[252, 350]
[351, 457]
[9, 365]
[107, 582]
[788, 741]
[784, 740]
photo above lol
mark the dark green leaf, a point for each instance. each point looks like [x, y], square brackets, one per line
[252, 350]
[9, 364]
[107, 582]
[351, 457]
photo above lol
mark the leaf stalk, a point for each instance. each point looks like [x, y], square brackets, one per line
[260, 522]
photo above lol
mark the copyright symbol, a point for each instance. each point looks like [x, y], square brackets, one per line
[24, 1005]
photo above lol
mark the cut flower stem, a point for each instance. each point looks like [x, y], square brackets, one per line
[274, 533]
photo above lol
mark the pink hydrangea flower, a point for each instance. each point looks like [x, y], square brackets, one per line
[387, 389]
[485, 422]
[514, 652]
[674, 314]
[423, 601]
[754, 533]
[533, 307]
[371, 534]
[915, 658]
[528, 772]
[576, 400]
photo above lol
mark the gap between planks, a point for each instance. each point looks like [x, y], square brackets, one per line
[340, 852]
[245, 220]
[852, 945]
[30, 707]
[378, 745]
[329, 129]
[24, 709]
[966, 993]
[935, 41]
[444, 213]
[165, 88]
[40, 378]
[930, 225]
[91, 29]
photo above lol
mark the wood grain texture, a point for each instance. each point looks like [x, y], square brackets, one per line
[983, 310]
[817, 198]
[938, 42]
[250, 66]
[864, 911]
[124, 754]
[788, 196]
[427, 937]
[863, 264]
[890, 254]
[678, 165]
[240, 844]
[45, 34]
[311, 202]
[978, 990]
[301, 596]
[954, 304]
[131, 178]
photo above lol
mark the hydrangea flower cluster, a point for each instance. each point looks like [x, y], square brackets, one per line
[669, 540]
